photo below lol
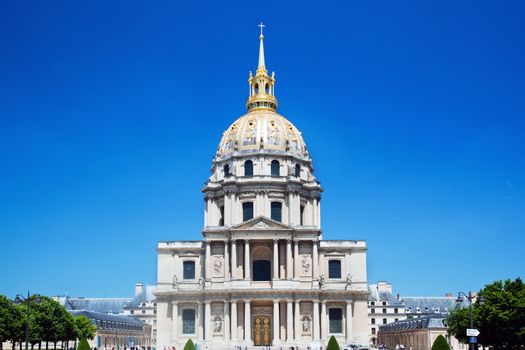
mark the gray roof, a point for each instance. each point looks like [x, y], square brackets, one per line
[431, 304]
[147, 295]
[415, 323]
[102, 305]
[94, 316]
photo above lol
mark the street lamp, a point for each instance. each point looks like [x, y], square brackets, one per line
[19, 300]
[469, 297]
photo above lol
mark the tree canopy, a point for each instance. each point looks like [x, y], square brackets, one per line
[500, 319]
[332, 344]
[440, 343]
[189, 345]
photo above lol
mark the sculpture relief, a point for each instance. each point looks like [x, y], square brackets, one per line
[305, 265]
[306, 324]
[217, 324]
[175, 282]
[218, 265]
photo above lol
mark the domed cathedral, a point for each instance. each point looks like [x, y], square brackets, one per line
[262, 275]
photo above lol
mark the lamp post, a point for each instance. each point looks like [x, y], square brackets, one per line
[470, 297]
[19, 300]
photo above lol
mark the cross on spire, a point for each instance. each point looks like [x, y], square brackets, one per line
[262, 27]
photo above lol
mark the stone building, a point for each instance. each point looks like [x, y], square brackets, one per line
[262, 275]
[144, 306]
[383, 308]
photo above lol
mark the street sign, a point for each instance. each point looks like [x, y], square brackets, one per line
[472, 340]
[472, 332]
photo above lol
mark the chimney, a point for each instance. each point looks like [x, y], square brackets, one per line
[448, 295]
[397, 296]
[138, 288]
[383, 286]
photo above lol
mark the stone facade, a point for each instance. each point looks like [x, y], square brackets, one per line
[262, 275]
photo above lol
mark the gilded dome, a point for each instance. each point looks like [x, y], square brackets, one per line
[263, 130]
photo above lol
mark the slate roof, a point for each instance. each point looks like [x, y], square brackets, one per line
[375, 295]
[431, 304]
[102, 305]
[415, 323]
[94, 316]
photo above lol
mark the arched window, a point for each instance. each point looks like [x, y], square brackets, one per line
[336, 321]
[248, 168]
[373, 321]
[227, 170]
[276, 211]
[275, 168]
[334, 269]
[188, 270]
[247, 211]
[297, 170]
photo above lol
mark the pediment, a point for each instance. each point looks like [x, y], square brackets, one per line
[261, 223]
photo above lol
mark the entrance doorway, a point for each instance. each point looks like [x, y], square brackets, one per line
[261, 331]
[262, 270]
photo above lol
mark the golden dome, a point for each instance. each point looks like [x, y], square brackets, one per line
[262, 130]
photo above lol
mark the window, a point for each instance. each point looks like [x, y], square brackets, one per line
[143, 312]
[373, 311]
[384, 311]
[227, 170]
[301, 215]
[132, 311]
[188, 321]
[276, 208]
[275, 168]
[396, 311]
[248, 168]
[384, 302]
[384, 320]
[396, 319]
[372, 303]
[373, 321]
[297, 170]
[262, 270]
[334, 269]
[154, 312]
[373, 330]
[336, 320]
[189, 270]
[221, 218]
[247, 211]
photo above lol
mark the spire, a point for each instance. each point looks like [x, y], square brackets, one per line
[261, 85]
[261, 48]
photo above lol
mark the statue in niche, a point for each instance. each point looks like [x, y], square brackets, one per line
[217, 266]
[217, 324]
[274, 138]
[201, 282]
[306, 324]
[175, 282]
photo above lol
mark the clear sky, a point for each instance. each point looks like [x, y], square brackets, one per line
[111, 111]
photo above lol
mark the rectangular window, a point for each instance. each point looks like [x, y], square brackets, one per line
[221, 218]
[373, 311]
[247, 211]
[188, 321]
[336, 321]
[276, 211]
[384, 320]
[189, 270]
[396, 311]
[373, 331]
[334, 269]
[384, 311]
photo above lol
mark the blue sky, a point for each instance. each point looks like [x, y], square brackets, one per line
[110, 113]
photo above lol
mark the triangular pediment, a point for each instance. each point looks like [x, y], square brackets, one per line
[261, 223]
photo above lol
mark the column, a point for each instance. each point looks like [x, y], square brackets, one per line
[323, 320]
[174, 321]
[315, 321]
[207, 320]
[200, 330]
[289, 321]
[315, 261]
[226, 320]
[247, 322]
[276, 330]
[348, 321]
[234, 260]
[246, 259]
[208, 260]
[297, 320]
[234, 320]
[275, 259]
[226, 260]
[295, 258]
[289, 275]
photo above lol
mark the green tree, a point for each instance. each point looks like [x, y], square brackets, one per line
[85, 329]
[500, 319]
[189, 345]
[332, 344]
[440, 343]
[10, 321]
[83, 345]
